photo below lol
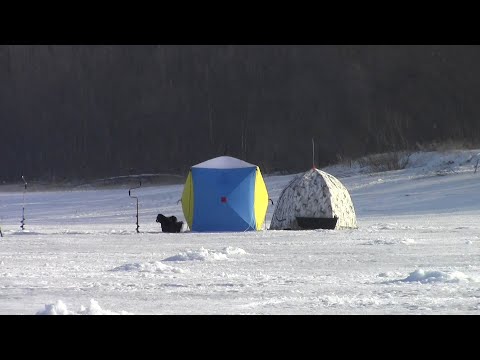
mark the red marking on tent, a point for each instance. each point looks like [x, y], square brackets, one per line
[223, 199]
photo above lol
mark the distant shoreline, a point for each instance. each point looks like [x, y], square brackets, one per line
[118, 182]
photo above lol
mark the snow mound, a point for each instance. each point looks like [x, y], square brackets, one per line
[24, 232]
[389, 274]
[404, 241]
[421, 163]
[55, 309]
[355, 301]
[72, 232]
[152, 266]
[206, 254]
[427, 276]
[120, 232]
[454, 161]
[394, 226]
[233, 251]
[380, 242]
[93, 309]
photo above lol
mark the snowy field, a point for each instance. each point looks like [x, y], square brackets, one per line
[416, 251]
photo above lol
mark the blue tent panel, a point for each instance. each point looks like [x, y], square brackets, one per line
[223, 199]
[242, 198]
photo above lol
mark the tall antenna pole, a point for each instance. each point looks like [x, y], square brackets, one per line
[313, 154]
[23, 208]
[135, 197]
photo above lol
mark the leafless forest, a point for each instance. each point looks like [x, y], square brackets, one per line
[91, 111]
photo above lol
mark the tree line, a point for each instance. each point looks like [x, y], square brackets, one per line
[91, 111]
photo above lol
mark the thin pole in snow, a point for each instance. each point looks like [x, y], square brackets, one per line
[265, 220]
[313, 154]
[135, 197]
[23, 208]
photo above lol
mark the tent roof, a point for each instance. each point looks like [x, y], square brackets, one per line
[223, 162]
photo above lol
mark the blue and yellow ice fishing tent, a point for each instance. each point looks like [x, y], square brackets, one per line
[225, 194]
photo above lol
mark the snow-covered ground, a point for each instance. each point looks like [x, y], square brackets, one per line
[416, 251]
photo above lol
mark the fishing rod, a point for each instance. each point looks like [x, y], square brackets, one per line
[23, 208]
[135, 197]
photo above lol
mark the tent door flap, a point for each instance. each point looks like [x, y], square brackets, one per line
[312, 223]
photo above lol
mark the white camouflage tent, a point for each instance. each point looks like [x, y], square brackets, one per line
[314, 197]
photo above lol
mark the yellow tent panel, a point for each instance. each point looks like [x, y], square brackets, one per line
[260, 200]
[187, 200]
